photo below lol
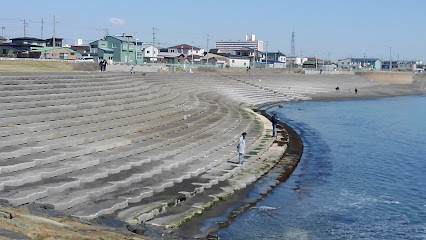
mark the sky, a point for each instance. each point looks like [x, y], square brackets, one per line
[327, 29]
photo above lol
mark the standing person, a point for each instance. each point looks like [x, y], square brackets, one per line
[241, 146]
[104, 64]
[132, 71]
[101, 66]
[274, 124]
[356, 91]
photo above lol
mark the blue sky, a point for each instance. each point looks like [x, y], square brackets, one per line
[339, 27]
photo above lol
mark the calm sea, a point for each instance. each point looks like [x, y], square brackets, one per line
[362, 174]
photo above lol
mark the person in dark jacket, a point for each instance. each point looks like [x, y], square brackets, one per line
[274, 124]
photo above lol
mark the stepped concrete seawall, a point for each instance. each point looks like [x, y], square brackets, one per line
[389, 77]
[149, 148]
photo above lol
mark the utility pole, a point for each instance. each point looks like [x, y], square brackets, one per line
[42, 22]
[153, 42]
[54, 31]
[128, 51]
[192, 54]
[136, 48]
[329, 63]
[25, 27]
[54, 26]
[293, 47]
[266, 54]
[390, 59]
[207, 49]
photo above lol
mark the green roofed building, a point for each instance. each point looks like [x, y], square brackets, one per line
[125, 49]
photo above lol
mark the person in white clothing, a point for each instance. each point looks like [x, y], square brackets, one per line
[241, 146]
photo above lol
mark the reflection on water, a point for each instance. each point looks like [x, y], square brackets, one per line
[361, 176]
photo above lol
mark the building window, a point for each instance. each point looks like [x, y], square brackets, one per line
[113, 45]
[233, 61]
[4, 51]
[172, 50]
[131, 45]
[103, 44]
[147, 51]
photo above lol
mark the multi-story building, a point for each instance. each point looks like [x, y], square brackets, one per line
[295, 61]
[232, 46]
[117, 49]
[274, 57]
[21, 47]
[402, 66]
[186, 50]
[360, 63]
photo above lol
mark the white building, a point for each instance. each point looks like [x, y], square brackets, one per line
[295, 61]
[150, 54]
[231, 46]
[360, 63]
[186, 50]
[238, 62]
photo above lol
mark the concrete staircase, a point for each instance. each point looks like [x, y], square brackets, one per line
[94, 144]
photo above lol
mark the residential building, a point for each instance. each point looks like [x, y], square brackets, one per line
[214, 59]
[186, 50]
[81, 50]
[294, 62]
[278, 59]
[232, 46]
[238, 62]
[58, 42]
[62, 53]
[123, 49]
[402, 66]
[170, 58]
[9, 49]
[21, 47]
[150, 54]
[33, 42]
[360, 63]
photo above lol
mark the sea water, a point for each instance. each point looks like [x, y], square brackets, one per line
[362, 174]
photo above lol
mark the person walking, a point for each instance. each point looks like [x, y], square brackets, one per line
[274, 124]
[241, 146]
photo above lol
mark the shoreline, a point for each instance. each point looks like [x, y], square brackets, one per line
[243, 199]
[287, 161]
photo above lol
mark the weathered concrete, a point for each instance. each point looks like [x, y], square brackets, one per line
[137, 147]
[388, 77]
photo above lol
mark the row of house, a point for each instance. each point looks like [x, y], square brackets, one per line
[127, 49]
[51, 48]
[377, 64]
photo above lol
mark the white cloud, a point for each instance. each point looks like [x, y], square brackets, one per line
[117, 21]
